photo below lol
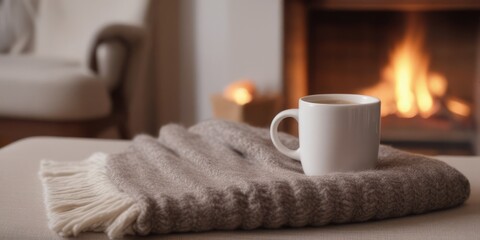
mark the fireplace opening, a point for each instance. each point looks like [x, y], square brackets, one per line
[421, 62]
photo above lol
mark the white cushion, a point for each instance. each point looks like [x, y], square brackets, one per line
[66, 29]
[16, 25]
[50, 89]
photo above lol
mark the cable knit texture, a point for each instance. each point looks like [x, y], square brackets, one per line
[224, 175]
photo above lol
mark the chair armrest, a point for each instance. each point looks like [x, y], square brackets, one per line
[113, 50]
[110, 59]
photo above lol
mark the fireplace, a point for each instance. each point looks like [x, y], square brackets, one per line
[420, 58]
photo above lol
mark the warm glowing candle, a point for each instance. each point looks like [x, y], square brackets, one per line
[241, 92]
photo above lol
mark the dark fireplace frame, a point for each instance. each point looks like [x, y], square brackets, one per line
[296, 15]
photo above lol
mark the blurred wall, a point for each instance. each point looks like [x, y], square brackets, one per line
[233, 39]
[216, 43]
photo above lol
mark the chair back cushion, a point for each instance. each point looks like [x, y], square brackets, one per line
[66, 29]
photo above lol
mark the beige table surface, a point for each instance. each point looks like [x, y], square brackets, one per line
[22, 214]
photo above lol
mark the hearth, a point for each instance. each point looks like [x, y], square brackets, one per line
[420, 58]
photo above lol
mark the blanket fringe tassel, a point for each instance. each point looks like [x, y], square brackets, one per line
[79, 197]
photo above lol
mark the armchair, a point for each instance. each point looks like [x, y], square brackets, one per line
[75, 82]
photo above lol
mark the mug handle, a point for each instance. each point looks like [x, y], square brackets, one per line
[293, 113]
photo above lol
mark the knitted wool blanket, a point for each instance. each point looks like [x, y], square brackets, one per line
[224, 175]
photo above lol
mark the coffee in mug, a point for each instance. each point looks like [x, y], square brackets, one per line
[333, 101]
[337, 133]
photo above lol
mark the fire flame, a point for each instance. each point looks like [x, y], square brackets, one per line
[458, 107]
[416, 90]
[241, 92]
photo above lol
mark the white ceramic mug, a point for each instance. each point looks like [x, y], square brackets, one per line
[337, 133]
